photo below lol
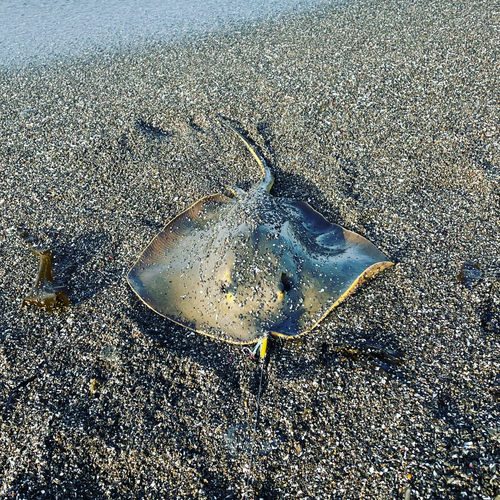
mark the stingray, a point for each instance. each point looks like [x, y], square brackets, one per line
[240, 268]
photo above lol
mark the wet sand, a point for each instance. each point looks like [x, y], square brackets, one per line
[382, 116]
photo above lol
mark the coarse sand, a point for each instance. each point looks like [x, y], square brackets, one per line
[383, 116]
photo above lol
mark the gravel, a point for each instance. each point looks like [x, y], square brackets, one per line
[384, 117]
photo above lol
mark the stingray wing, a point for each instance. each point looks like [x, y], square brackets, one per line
[166, 275]
[334, 262]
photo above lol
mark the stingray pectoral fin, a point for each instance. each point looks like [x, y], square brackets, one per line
[368, 274]
[165, 267]
[334, 263]
[363, 246]
[363, 262]
[187, 222]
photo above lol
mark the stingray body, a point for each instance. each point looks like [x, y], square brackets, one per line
[239, 268]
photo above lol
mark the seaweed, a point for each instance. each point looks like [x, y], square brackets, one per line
[45, 292]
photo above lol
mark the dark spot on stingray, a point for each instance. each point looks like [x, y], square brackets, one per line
[287, 282]
[150, 131]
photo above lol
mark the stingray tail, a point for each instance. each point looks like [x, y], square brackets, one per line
[267, 182]
[262, 347]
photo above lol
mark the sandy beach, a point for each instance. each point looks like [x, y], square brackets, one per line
[384, 117]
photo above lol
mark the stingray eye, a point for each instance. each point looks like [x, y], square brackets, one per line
[287, 282]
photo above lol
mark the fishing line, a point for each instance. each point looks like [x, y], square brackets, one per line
[262, 345]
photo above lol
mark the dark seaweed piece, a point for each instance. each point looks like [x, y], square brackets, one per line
[390, 356]
[375, 357]
[195, 127]
[44, 293]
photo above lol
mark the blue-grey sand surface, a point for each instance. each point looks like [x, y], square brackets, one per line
[39, 30]
[384, 117]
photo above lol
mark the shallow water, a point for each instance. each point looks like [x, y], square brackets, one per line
[36, 30]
